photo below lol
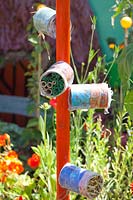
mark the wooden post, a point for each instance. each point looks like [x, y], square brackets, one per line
[63, 115]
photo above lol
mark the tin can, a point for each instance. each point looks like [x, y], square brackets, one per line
[56, 79]
[45, 21]
[85, 96]
[81, 181]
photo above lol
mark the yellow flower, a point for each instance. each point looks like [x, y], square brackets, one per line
[111, 45]
[126, 22]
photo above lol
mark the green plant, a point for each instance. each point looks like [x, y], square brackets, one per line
[38, 183]
[39, 45]
[97, 148]
[85, 74]
[45, 174]
[95, 145]
[124, 9]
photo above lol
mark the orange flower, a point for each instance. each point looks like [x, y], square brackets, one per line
[131, 187]
[111, 45]
[3, 178]
[16, 167]
[3, 166]
[34, 161]
[12, 154]
[4, 139]
[121, 46]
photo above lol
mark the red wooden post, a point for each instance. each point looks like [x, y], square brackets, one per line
[63, 115]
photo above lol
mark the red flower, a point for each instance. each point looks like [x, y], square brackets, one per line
[19, 198]
[34, 161]
[131, 187]
[53, 102]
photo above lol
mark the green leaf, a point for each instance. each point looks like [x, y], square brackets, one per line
[41, 124]
[50, 158]
[125, 66]
[36, 150]
[38, 49]
[33, 40]
[32, 123]
[128, 101]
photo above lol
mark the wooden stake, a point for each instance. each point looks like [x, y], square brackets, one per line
[63, 115]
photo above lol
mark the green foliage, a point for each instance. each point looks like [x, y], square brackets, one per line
[35, 67]
[129, 103]
[86, 75]
[125, 66]
[123, 7]
[40, 183]
[45, 175]
[95, 145]
[100, 150]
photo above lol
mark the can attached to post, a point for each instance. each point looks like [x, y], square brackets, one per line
[56, 79]
[45, 21]
[85, 96]
[81, 181]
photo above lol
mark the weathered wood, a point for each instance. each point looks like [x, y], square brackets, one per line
[14, 105]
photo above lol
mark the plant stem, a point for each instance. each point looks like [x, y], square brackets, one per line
[74, 66]
[45, 121]
[91, 42]
[38, 78]
[126, 37]
[121, 99]
[109, 70]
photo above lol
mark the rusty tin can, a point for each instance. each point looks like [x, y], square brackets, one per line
[85, 96]
[45, 21]
[79, 180]
[56, 79]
